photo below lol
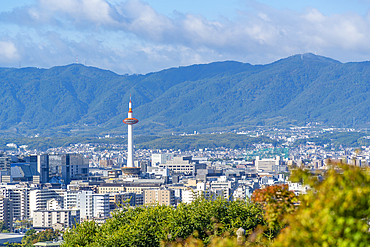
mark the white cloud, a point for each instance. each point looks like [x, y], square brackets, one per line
[132, 37]
[8, 51]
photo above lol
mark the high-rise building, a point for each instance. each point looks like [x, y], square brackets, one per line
[117, 199]
[70, 199]
[43, 167]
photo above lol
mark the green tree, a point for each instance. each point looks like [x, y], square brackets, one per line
[31, 237]
[3, 227]
[335, 212]
[153, 225]
[81, 234]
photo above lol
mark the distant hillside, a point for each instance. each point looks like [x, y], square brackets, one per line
[76, 99]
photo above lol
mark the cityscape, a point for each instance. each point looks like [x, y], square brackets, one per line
[61, 187]
[184, 123]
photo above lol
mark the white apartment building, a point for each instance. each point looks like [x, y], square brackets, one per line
[70, 199]
[20, 199]
[40, 197]
[188, 196]
[93, 205]
[57, 219]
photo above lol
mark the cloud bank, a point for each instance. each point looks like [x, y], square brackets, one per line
[132, 37]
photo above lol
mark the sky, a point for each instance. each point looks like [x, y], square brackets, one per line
[137, 36]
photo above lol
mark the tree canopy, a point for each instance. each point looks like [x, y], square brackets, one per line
[153, 225]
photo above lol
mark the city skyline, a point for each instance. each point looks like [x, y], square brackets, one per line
[146, 36]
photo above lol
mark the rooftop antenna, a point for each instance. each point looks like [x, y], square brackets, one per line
[77, 59]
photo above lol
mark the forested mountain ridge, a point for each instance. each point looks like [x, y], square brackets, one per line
[217, 96]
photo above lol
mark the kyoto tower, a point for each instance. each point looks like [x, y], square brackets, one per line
[130, 121]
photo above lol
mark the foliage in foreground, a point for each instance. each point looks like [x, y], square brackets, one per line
[334, 213]
[277, 202]
[156, 225]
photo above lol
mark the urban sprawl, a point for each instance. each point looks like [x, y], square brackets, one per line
[64, 186]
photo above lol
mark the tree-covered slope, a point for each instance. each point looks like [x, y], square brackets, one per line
[208, 97]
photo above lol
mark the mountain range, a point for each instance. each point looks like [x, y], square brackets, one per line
[221, 96]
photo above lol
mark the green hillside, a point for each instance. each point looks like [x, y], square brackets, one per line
[80, 100]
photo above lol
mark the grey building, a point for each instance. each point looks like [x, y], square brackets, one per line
[183, 165]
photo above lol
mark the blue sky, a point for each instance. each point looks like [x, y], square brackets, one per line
[135, 36]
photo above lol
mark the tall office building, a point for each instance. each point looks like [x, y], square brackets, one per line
[68, 167]
[43, 167]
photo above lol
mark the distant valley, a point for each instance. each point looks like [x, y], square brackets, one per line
[221, 96]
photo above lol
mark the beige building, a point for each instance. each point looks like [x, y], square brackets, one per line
[160, 196]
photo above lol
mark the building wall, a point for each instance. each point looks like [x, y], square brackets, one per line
[160, 196]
